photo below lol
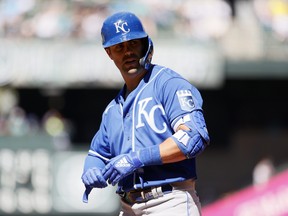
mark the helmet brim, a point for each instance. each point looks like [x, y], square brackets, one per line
[124, 37]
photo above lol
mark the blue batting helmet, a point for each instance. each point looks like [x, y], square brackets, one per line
[121, 27]
[125, 26]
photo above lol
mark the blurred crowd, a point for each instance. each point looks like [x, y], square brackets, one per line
[48, 19]
[82, 19]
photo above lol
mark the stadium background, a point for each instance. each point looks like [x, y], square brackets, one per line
[55, 81]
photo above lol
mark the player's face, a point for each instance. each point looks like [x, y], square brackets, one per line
[126, 56]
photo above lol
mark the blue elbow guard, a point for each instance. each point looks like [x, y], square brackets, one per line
[192, 142]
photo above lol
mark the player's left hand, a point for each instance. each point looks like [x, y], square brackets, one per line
[121, 166]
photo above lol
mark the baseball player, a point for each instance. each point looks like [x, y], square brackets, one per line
[150, 133]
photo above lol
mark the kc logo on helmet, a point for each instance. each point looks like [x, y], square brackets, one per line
[121, 26]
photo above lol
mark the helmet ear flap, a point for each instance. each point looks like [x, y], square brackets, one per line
[145, 61]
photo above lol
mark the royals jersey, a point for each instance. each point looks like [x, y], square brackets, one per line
[147, 117]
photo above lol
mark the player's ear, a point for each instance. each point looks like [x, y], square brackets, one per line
[108, 51]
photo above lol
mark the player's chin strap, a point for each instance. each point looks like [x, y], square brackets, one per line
[145, 61]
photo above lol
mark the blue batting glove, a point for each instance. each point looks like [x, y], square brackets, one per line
[86, 194]
[121, 166]
[92, 178]
[125, 164]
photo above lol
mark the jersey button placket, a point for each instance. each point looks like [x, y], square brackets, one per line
[127, 127]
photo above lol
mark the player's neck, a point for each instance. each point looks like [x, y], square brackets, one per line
[133, 82]
[127, 92]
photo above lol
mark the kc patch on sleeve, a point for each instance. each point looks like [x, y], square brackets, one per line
[185, 100]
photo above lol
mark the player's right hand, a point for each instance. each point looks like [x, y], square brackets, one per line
[92, 178]
[121, 166]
